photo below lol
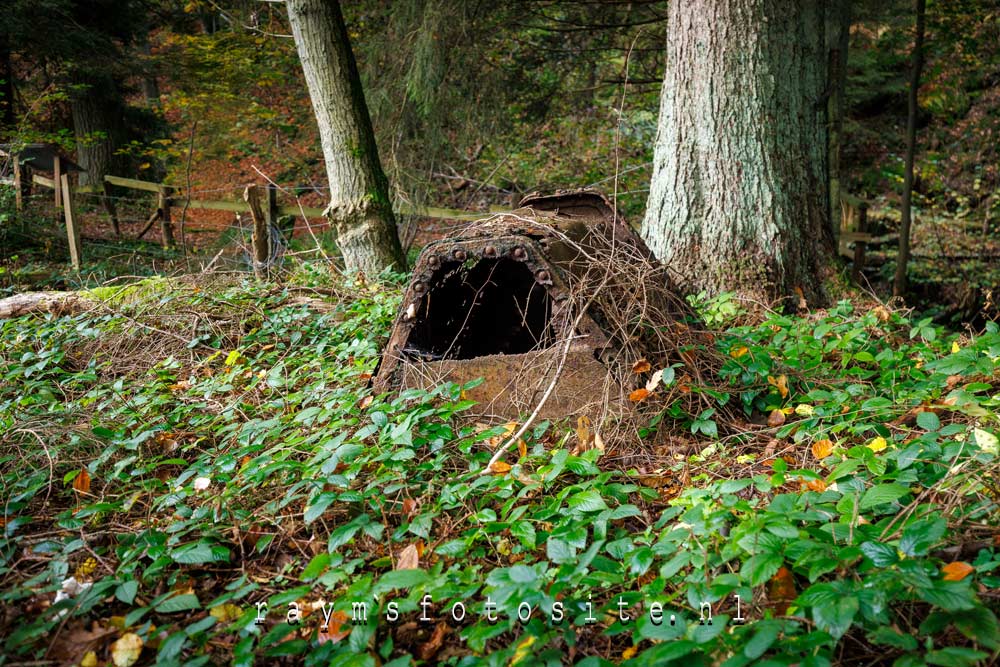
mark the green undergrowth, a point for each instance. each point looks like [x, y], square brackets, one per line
[857, 525]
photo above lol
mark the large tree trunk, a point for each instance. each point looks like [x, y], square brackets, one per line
[360, 209]
[98, 125]
[902, 262]
[738, 199]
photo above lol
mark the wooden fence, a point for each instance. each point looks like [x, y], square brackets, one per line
[169, 196]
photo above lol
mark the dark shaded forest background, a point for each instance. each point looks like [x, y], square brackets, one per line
[474, 104]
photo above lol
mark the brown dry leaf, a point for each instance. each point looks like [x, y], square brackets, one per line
[365, 402]
[598, 442]
[638, 395]
[641, 366]
[408, 558]
[780, 383]
[957, 571]
[822, 448]
[498, 440]
[776, 418]
[802, 299]
[738, 352]
[817, 485]
[882, 313]
[429, 649]
[409, 507]
[125, 651]
[338, 627]
[781, 589]
[81, 482]
[499, 468]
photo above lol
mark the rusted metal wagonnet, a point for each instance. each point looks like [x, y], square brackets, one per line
[499, 299]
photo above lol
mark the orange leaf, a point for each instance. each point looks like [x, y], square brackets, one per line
[638, 395]
[780, 383]
[82, 481]
[738, 352]
[957, 571]
[629, 653]
[641, 366]
[822, 448]
[335, 629]
[365, 402]
[409, 507]
[499, 468]
[776, 418]
[522, 448]
[817, 485]
[781, 589]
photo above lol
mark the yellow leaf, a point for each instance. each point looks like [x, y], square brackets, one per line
[630, 652]
[125, 651]
[822, 448]
[877, 444]
[955, 347]
[523, 650]
[638, 395]
[522, 448]
[641, 366]
[89, 660]
[804, 410]
[738, 352]
[780, 383]
[233, 357]
[499, 468]
[583, 430]
[226, 613]
[957, 571]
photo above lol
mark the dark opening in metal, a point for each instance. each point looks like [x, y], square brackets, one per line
[478, 308]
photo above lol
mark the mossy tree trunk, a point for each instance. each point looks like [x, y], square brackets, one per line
[739, 196]
[360, 209]
[97, 108]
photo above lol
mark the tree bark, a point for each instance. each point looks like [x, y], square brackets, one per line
[905, 218]
[97, 109]
[738, 199]
[838, 30]
[59, 303]
[359, 210]
[7, 117]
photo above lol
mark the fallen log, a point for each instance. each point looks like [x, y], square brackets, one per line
[59, 303]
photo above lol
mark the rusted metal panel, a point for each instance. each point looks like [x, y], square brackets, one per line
[494, 301]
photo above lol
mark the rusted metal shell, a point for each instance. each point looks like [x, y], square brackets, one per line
[494, 302]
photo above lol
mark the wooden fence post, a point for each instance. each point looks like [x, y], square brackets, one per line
[109, 204]
[56, 180]
[166, 226]
[72, 231]
[271, 204]
[18, 200]
[261, 232]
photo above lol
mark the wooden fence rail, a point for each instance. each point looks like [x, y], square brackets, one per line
[169, 196]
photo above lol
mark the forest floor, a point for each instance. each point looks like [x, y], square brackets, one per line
[189, 448]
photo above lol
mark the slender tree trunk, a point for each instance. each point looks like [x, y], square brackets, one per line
[360, 209]
[7, 117]
[150, 86]
[738, 199]
[97, 123]
[838, 30]
[899, 285]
